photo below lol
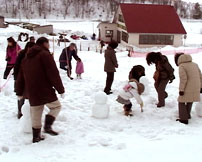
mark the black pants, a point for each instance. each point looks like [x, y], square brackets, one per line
[9, 67]
[185, 110]
[160, 87]
[109, 81]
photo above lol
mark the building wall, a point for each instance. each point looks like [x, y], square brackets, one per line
[103, 27]
[134, 40]
[48, 29]
[2, 25]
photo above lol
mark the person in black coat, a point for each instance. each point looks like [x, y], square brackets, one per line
[19, 59]
[66, 58]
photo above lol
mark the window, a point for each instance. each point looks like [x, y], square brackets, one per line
[122, 27]
[156, 39]
[109, 33]
[125, 36]
[121, 18]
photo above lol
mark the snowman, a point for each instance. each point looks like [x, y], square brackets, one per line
[198, 108]
[25, 120]
[145, 81]
[100, 109]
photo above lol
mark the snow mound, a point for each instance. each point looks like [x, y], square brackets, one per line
[25, 121]
[145, 81]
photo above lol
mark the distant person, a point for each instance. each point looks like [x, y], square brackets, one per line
[20, 57]
[93, 36]
[79, 68]
[32, 39]
[39, 77]
[190, 86]
[164, 73]
[102, 44]
[110, 65]
[11, 55]
[66, 58]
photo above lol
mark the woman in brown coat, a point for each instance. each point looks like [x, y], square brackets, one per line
[110, 65]
[164, 73]
[190, 85]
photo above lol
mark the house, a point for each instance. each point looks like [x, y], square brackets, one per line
[2, 22]
[145, 25]
[46, 29]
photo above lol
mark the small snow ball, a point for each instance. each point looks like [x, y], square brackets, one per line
[145, 81]
[100, 98]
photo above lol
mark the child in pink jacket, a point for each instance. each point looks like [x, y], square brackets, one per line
[79, 68]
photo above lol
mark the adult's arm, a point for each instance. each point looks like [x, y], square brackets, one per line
[20, 83]
[74, 54]
[114, 59]
[17, 65]
[183, 79]
[52, 72]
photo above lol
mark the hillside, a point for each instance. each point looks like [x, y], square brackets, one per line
[85, 9]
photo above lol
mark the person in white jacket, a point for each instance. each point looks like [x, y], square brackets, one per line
[132, 89]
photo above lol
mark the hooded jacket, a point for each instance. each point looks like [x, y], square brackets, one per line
[190, 79]
[39, 77]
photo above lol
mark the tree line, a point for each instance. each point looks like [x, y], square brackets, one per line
[85, 9]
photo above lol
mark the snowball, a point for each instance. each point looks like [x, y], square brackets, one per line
[100, 111]
[25, 120]
[100, 98]
[198, 109]
[145, 81]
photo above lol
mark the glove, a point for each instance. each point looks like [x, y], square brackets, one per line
[171, 80]
[181, 93]
[62, 95]
[141, 105]
[20, 98]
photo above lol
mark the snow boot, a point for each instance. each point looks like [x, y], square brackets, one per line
[48, 125]
[127, 111]
[37, 135]
[183, 121]
[20, 104]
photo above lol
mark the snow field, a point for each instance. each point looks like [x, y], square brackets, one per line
[153, 135]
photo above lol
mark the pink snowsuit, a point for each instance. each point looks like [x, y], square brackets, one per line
[12, 54]
[79, 67]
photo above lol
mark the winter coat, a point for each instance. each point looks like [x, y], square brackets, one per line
[130, 93]
[164, 70]
[12, 53]
[66, 57]
[110, 60]
[79, 67]
[39, 76]
[190, 79]
[18, 62]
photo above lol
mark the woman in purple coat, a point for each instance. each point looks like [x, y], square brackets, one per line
[11, 55]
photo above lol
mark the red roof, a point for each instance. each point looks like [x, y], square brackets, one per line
[146, 18]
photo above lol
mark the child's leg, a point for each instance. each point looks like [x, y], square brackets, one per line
[80, 76]
[128, 109]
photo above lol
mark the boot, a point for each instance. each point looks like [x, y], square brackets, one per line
[37, 135]
[183, 121]
[20, 104]
[48, 123]
[127, 112]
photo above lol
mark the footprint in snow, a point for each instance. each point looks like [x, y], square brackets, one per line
[5, 149]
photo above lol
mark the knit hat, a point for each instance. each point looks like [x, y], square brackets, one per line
[113, 44]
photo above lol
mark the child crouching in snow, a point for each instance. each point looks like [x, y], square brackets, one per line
[132, 89]
[79, 68]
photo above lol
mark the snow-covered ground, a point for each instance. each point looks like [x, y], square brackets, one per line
[152, 136]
